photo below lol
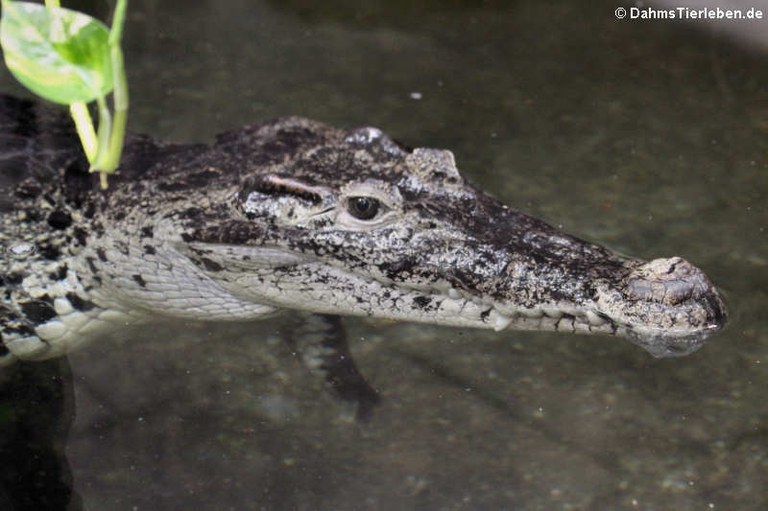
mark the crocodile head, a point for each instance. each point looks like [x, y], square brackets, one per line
[353, 223]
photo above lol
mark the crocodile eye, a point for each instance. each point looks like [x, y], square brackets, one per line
[363, 208]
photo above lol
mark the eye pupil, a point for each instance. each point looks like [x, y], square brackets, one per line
[363, 208]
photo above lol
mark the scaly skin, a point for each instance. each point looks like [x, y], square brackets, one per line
[297, 215]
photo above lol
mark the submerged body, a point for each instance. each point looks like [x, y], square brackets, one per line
[297, 215]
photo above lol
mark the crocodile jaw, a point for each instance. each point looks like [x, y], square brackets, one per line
[668, 307]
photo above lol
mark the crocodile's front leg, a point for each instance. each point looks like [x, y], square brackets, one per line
[321, 342]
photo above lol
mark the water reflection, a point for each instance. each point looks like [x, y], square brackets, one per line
[36, 411]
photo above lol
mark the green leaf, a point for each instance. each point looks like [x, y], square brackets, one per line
[59, 54]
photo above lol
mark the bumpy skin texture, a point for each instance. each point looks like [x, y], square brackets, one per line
[296, 215]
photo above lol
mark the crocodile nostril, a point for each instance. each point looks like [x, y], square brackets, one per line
[669, 281]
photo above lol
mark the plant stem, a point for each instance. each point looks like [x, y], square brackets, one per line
[111, 139]
[118, 19]
[120, 91]
[120, 101]
[85, 131]
[104, 137]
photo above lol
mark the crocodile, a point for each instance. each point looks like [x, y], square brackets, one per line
[295, 215]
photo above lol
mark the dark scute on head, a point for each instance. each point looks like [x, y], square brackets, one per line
[202, 178]
[190, 180]
[59, 274]
[59, 219]
[13, 278]
[330, 165]
[78, 182]
[81, 235]
[273, 141]
[48, 251]
[142, 154]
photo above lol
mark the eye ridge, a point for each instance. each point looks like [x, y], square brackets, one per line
[362, 207]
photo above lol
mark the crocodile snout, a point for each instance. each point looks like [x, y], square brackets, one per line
[667, 306]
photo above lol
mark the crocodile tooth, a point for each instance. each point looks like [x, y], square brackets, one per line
[594, 319]
[502, 322]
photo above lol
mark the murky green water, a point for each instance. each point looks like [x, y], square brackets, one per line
[651, 138]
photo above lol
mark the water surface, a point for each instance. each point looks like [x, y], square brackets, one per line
[650, 138]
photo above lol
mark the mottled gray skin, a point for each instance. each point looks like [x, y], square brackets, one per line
[297, 215]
